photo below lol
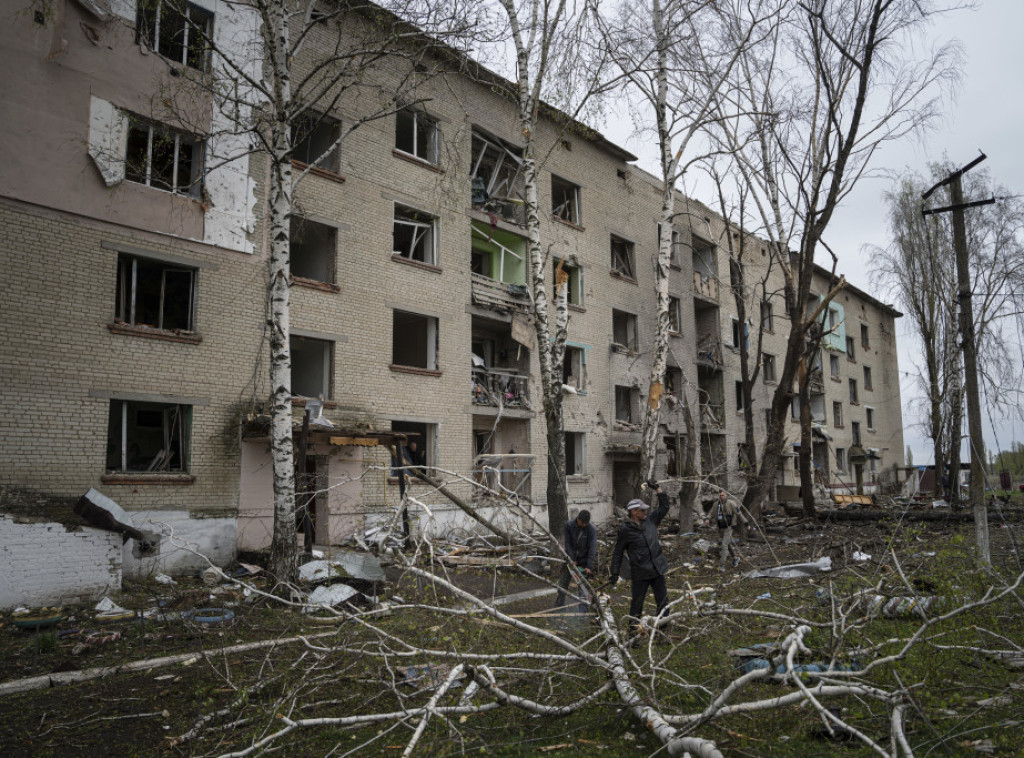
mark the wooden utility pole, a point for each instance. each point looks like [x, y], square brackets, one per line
[957, 207]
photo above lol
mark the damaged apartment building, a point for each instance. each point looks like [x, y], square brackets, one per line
[135, 263]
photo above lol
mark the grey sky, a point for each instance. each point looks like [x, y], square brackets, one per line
[987, 115]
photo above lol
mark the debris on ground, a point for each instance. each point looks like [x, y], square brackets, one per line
[793, 570]
[428, 676]
[329, 596]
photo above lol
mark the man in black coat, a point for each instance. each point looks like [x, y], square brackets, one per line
[580, 539]
[638, 537]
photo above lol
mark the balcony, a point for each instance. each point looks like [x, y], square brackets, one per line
[509, 473]
[500, 389]
[709, 351]
[706, 286]
[491, 293]
[712, 417]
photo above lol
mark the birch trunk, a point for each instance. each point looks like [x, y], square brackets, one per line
[550, 341]
[283, 548]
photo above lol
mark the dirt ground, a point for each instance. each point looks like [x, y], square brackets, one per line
[145, 713]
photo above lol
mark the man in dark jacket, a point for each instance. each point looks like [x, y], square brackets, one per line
[580, 540]
[638, 537]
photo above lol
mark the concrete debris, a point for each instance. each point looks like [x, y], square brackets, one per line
[793, 570]
[343, 565]
[329, 596]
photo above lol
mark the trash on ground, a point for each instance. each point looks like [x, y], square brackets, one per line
[765, 596]
[329, 596]
[344, 565]
[702, 546]
[37, 618]
[163, 579]
[859, 556]
[793, 570]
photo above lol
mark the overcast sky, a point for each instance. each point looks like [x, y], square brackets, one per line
[987, 115]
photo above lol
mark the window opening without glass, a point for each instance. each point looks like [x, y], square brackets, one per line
[414, 235]
[155, 294]
[178, 31]
[416, 134]
[165, 158]
[149, 437]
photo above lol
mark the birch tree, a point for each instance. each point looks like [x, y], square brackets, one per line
[550, 41]
[811, 106]
[274, 80]
[678, 56]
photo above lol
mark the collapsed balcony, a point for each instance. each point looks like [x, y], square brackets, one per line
[500, 389]
[706, 286]
[498, 185]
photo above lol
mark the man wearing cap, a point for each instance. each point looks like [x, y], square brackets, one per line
[580, 540]
[638, 537]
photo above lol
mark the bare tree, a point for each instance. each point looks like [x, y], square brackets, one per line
[812, 104]
[917, 268]
[678, 56]
[552, 68]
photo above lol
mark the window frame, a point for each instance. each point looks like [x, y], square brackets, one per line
[327, 379]
[841, 460]
[577, 441]
[329, 160]
[410, 219]
[151, 36]
[432, 153]
[851, 351]
[865, 337]
[767, 316]
[855, 436]
[768, 374]
[569, 209]
[433, 337]
[869, 417]
[869, 384]
[833, 367]
[574, 296]
[297, 228]
[632, 400]
[854, 395]
[740, 405]
[631, 326]
[183, 422]
[127, 292]
[623, 257]
[575, 357]
[837, 414]
[154, 130]
[675, 315]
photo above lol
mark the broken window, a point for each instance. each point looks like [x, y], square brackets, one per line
[416, 134]
[575, 454]
[855, 429]
[165, 158]
[867, 378]
[622, 257]
[624, 329]
[414, 235]
[853, 391]
[574, 281]
[574, 368]
[767, 318]
[312, 361]
[794, 408]
[626, 400]
[497, 178]
[414, 340]
[833, 364]
[315, 141]
[833, 319]
[870, 418]
[837, 414]
[176, 30]
[156, 294]
[768, 367]
[703, 257]
[420, 447]
[737, 331]
[148, 436]
[565, 200]
[313, 250]
[498, 254]
[840, 459]
[740, 405]
[864, 341]
[675, 315]
[850, 352]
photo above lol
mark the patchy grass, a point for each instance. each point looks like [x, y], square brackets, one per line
[147, 713]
